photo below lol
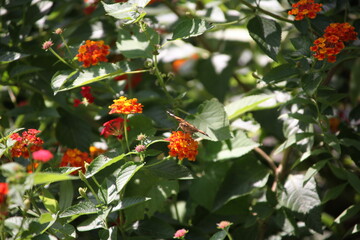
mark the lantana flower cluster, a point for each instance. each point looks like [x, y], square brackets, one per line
[26, 143]
[332, 42]
[182, 145]
[93, 52]
[125, 106]
[305, 8]
[75, 158]
[114, 127]
[87, 96]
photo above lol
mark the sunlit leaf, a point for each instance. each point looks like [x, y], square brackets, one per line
[187, 28]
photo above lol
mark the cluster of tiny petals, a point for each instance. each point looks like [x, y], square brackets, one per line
[93, 52]
[223, 224]
[305, 8]
[47, 44]
[125, 106]
[332, 42]
[114, 127]
[42, 155]
[180, 234]
[87, 96]
[182, 145]
[75, 158]
[25, 143]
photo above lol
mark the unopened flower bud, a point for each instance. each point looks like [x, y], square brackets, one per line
[141, 137]
[47, 44]
[58, 31]
[82, 192]
[140, 148]
[27, 204]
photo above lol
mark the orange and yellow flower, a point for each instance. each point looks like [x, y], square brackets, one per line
[126, 106]
[182, 145]
[95, 152]
[305, 8]
[93, 52]
[75, 158]
[27, 143]
[332, 42]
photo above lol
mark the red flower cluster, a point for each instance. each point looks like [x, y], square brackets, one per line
[27, 143]
[131, 80]
[93, 52]
[75, 158]
[87, 97]
[126, 106]
[4, 189]
[90, 6]
[114, 127]
[182, 145]
[305, 8]
[332, 42]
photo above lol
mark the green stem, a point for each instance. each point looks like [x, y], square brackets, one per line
[229, 235]
[265, 12]
[126, 132]
[66, 46]
[98, 185]
[61, 59]
[90, 187]
[160, 78]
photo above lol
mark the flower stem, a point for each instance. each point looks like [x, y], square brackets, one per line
[161, 79]
[126, 133]
[61, 59]
[266, 12]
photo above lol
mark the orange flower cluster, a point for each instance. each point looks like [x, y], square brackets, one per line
[75, 158]
[332, 42]
[182, 145]
[305, 8]
[27, 143]
[126, 106]
[93, 52]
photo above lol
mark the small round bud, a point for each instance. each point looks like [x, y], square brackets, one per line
[148, 63]
[58, 31]
[82, 192]
[46, 45]
[27, 204]
[141, 137]
[140, 148]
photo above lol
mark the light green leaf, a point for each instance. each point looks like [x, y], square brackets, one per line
[82, 208]
[245, 104]
[298, 197]
[102, 162]
[94, 222]
[7, 57]
[212, 119]
[49, 201]
[126, 11]
[267, 34]
[125, 173]
[187, 28]
[129, 202]
[45, 218]
[219, 235]
[66, 80]
[46, 178]
[137, 43]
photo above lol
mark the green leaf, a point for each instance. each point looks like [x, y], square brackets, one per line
[169, 169]
[46, 178]
[338, 172]
[298, 197]
[334, 193]
[267, 34]
[94, 222]
[63, 231]
[126, 11]
[314, 169]
[332, 141]
[66, 194]
[7, 57]
[102, 162]
[354, 180]
[287, 143]
[310, 83]
[125, 173]
[139, 123]
[137, 43]
[45, 218]
[305, 118]
[236, 147]
[49, 201]
[129, 202]
[81, 208]
[212, 119]
[66, 80]
[245, 104]
[280, 73]
[348, 213]
[188, 28]
[246, 174]
[219, 235]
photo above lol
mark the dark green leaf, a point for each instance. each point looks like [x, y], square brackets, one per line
[125, 173]
[310, 83]
[219, 235]
[187, 28]
[94, 222]
[314, 169]
[129, 202]
[66, 194]
[354, 181]
[280, 73]
[332, 141]
[267, 34]
[348, 213]
[169, 169]
[6, 57]
[334, 193]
